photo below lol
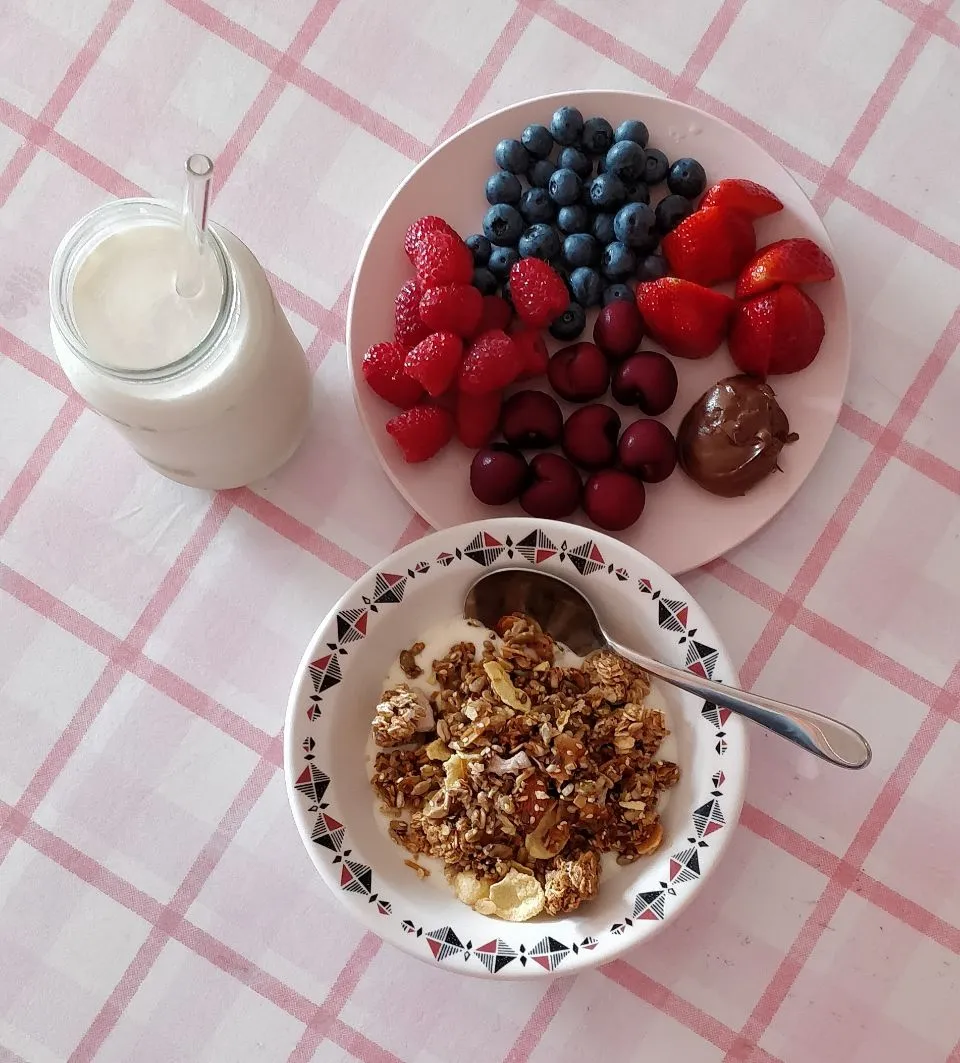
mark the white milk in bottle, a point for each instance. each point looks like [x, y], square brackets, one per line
[210, 387]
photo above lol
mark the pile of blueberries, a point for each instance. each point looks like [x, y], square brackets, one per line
[577, 195]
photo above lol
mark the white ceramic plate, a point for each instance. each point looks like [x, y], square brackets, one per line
[682, 526]
[328, 766]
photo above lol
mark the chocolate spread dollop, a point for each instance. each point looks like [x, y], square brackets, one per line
[732, 436]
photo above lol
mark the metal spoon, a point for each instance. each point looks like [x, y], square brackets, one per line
[563, 612]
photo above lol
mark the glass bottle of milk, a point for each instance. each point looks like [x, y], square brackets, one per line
[210, 387]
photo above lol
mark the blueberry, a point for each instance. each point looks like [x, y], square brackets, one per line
[575, 219]
[536, 205]
[687, 178]
[570, 323]
[503, 188]
[512, 156]
[607, 192]
[586, 286]
[584, 199]
[597, 136]
[601, 165]
[540, 241]
[485, 282]
[671, 210]
[628, 161]
[566, 125]
[617, 293]
[638, 193]
[633, 130]
[574, 159]
[502, 224]
[657, 166]
[480, 248]
[564, 187]
[617, 261]
[634, 224]
[581, 249]
[501, 262]
[541, 172]
[652, 268]
[602, 229]
[537, 140]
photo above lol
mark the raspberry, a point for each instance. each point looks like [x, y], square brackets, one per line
[434, 361]
[492, 362]
[478, 417]
[442, 258]
[382, 369]
[419, 229]
[538, 293]
[452, 308]
[497, 314]
[533, 353]
[421, 431]
[408, 329]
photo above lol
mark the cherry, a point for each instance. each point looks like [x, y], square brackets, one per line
[590, 436]
[613, 500]
[531, 419]
[579, 373]
[498, 474]
[618, 329]
[554, 490]
[648, 450]
[646, 379]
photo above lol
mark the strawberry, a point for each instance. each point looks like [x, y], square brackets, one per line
[688, 320]
[419, 229]
[777, 332]
[492, 362]
[710, 246]
[434, 362]
[452, 308]
[538, 293]
[745, 197]
[533, 353]
[497, 314]
[421, 431]
[408, 329]
[797, 261]
[382, 368]
[442, 258]
[478, 417]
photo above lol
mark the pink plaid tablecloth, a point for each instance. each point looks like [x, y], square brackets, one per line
[155, 901]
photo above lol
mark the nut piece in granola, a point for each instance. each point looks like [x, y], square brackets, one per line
[400, 714]
[408, 661]
[517, 897]
[571, 883]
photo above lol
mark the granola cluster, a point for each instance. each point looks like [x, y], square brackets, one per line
[519, 773]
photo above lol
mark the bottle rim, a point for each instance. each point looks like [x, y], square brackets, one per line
[91, 230]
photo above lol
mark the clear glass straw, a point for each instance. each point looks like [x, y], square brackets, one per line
[196, 199]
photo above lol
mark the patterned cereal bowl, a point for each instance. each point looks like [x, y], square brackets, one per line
[328, 757]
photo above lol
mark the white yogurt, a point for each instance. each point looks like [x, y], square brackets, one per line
[212, 391]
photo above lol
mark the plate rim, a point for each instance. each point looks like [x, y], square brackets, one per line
[367, 914]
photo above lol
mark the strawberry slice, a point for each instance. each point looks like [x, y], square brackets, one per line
[777, 332]
[711, 245]
[690, 321]
[745, 197]
[796, 261]
[478, 417]
[435, 362]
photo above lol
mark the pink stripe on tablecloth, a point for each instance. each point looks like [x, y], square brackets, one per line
[702, 56]
[536, 1026]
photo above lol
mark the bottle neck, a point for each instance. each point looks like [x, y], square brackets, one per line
[113, 219]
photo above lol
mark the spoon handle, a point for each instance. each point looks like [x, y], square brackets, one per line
[825, 737]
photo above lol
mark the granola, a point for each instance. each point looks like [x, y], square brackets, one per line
[519, 772]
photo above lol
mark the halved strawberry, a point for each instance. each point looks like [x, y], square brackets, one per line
[690, 321]
[382, 368]
[478, 417]
[421, 431]
[745, 197]
[796, 261]
[435, 361]
[711, 245]
[408, 329]
[414, 235]
[777, 332]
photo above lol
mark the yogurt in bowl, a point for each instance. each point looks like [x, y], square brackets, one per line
[327, 750]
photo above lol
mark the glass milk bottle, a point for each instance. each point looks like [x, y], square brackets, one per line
[170, 330]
